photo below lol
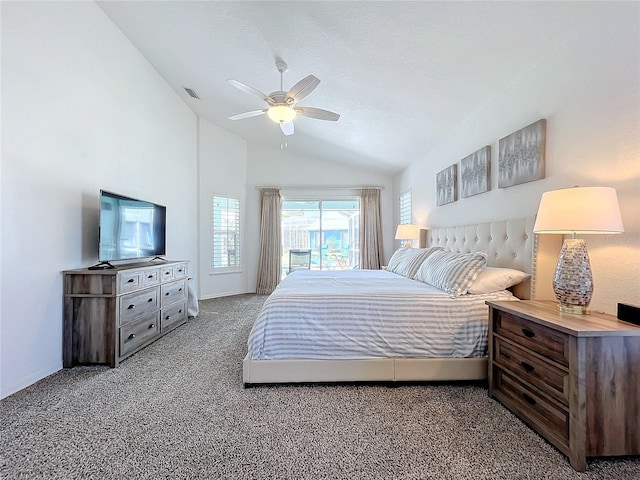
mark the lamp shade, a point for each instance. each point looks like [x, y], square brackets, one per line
[281, 113]
[582, 210]
[407, 231]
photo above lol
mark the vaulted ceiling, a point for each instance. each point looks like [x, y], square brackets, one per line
[400, 74]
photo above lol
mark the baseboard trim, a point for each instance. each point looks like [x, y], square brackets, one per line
[226, 294]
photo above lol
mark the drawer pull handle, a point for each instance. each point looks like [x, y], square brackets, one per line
[150, 300]
[179, 289]
[153, 325]
[180, 311]
[167, 317]
[150, 276]
[527, 367]
[528, 333]
[167, 294]
[132, 336]
[131, 280]
[167, 273]
[529, 399]
[131, 307]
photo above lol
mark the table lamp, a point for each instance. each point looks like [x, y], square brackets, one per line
[408, 232]
[577, 211]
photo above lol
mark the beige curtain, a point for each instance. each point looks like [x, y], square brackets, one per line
[270, 260]
[370, 229]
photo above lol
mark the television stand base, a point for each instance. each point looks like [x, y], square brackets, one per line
[102, 266]
[158, 258]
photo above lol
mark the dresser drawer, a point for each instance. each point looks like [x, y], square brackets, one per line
[173, 316]
[138, 304]
[138, 333]
[548, 377]
[549, 343]
[180, 270]
[551, 420]
[167, 273]
[150, 277]
[129, 281]
[173, 292]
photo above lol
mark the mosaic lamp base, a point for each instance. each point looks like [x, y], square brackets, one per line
[573, 282]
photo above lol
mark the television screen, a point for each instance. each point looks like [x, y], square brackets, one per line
[130, 228]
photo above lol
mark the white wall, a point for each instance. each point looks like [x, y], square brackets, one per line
[81, 110]
[282, 168]
[589, 92]
[230, 166]
[222, 171]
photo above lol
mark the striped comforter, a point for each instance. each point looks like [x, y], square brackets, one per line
[357, 314]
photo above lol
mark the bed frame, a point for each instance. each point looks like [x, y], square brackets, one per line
[509, 243]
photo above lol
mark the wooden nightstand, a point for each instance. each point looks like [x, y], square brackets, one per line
[574, 379]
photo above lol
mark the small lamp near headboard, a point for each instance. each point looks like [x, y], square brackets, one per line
[408, 232]
[577, 210]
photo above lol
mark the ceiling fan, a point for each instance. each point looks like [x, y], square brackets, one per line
[283, 106]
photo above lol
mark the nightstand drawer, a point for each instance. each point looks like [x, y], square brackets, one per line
[551, 420]
[545, 341]
[549, 378]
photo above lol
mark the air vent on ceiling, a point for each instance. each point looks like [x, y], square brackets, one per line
[192, 93]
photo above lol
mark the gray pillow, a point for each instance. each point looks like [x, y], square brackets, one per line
[452, 272]
[406, 261]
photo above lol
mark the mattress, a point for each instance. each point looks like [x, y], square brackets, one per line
[364, 314]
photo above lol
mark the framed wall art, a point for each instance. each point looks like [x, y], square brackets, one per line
[447, 185]
[475, 173]
[521, 155]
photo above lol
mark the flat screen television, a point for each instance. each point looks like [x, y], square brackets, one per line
[130, 229]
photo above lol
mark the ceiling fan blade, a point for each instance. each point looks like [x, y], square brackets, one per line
[253, 113]
[317, 113]
[287, 128]
[252, 91]
[301, 89]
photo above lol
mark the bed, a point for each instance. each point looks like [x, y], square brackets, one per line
[368, 325]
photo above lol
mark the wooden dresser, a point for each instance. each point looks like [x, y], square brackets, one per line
[111, 314]
[575, 379]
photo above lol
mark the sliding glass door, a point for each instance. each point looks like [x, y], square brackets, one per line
[328, 228]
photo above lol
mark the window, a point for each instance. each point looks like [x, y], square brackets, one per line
[404, 205]
[226, 233]
[329, 228]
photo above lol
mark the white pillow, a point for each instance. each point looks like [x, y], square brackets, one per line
[406, 261]
[493, 279]
[452, 272]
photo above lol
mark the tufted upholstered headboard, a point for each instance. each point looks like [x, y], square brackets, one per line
[509, 244]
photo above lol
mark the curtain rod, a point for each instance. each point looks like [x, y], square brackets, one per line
[321, 187]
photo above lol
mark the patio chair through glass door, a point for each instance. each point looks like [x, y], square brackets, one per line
[299, 260]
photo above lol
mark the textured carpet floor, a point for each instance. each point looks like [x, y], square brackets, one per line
[178, 409]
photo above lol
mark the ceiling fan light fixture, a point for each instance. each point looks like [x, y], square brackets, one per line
[281, 113]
